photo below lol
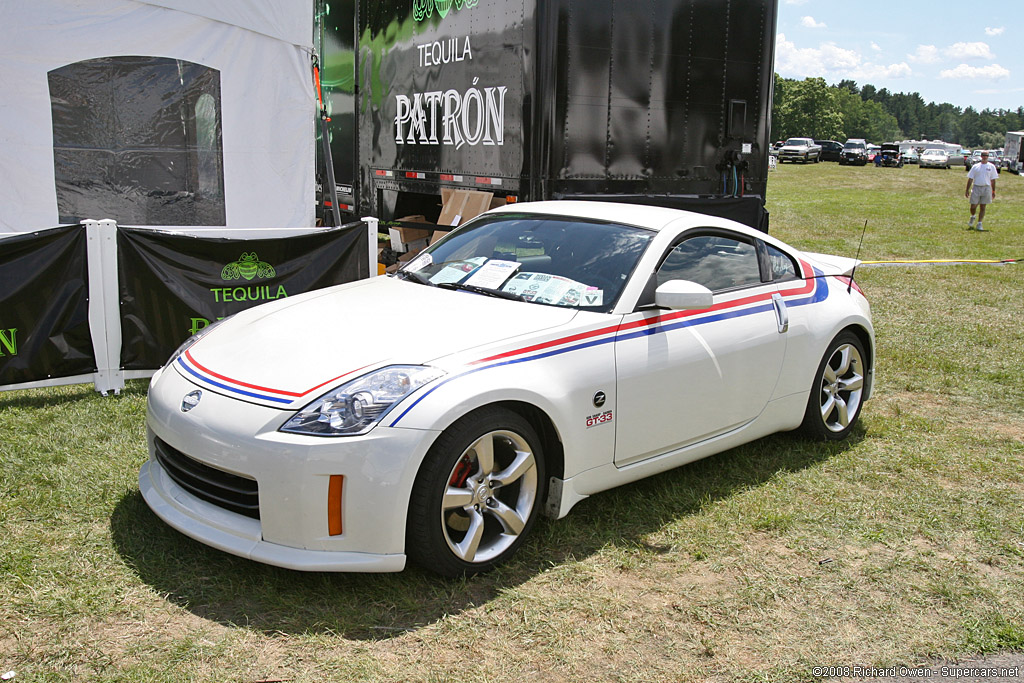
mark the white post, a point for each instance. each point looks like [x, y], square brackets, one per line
[104, 304]
[371, 227]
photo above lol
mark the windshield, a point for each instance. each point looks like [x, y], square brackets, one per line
[553, 260]
[854, 145]
[798, 141]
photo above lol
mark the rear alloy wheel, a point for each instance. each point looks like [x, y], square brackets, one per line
[477, 495]
[838, 390]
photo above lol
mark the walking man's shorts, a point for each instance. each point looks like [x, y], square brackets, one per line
[981, 194]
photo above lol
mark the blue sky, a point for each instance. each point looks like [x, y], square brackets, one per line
[965, 53]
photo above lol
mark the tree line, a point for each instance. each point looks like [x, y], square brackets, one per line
[813, 108]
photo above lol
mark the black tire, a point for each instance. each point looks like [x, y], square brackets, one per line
[837, 394]
[467, 516]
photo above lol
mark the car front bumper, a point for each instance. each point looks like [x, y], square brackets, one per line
[291, 474]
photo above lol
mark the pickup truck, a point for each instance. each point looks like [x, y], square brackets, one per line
[800, 149]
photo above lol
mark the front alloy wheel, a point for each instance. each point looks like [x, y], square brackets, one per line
[477, 495]
[838, 390]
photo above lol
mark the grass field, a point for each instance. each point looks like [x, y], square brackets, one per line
[902, 545]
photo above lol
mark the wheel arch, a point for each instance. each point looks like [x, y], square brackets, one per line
[865, 338]
[867, 341]
[551, 440]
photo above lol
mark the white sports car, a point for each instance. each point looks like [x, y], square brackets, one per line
[537, 355]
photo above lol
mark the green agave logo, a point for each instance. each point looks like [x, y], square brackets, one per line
[424, 9]
[248, 266]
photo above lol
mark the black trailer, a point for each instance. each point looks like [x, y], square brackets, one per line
[654, 101]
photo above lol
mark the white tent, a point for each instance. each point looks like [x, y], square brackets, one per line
[167, 112]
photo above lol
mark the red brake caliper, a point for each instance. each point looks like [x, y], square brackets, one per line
[461, 472]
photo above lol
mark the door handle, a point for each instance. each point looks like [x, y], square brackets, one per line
[781, 313]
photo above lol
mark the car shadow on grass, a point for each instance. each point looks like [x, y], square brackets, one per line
[237, 592]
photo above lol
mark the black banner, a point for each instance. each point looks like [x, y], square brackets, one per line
[171, 286]
[44, 306]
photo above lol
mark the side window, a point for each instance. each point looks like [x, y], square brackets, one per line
[715, 261]
[783, 267]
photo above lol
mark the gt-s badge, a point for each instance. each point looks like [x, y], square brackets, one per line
[191, 400]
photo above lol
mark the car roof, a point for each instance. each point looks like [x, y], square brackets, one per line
[654, 218]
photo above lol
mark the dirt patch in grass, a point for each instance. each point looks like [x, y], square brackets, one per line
[943, 408]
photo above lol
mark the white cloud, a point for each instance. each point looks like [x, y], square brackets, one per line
[868, 71]
[876, 47]
[925, 54]
[809, 22]
[969, 51]
[831, 62]
[997, 91]
[994, 31]
[992, 72]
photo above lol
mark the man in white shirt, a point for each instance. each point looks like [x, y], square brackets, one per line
[981, 189]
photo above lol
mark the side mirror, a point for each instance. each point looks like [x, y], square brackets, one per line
[683, 295]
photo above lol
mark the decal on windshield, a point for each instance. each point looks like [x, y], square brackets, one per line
[543, 288]
[454, 271]
[421, 261]
[493, 273]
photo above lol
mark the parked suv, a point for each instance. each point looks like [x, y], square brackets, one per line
[830, 150]
[855, 152]
[800, 149]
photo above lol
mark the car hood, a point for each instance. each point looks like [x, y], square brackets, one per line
[294, 349]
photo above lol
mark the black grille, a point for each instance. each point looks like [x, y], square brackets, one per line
[229, 491]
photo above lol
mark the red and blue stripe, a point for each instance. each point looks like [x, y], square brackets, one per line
[807, 291]
[811, 290]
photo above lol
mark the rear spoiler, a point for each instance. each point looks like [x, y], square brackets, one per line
[833, 265]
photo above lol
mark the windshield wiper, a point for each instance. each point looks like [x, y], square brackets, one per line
[415, 277]
[486, 291]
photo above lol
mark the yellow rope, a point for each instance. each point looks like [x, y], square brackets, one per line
[910, 261]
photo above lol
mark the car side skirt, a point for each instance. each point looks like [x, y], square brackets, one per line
[780, 415]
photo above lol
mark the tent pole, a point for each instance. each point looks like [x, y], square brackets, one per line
[329, 162]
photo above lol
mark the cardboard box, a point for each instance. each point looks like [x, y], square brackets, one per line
[409, 256]
[402, 236]
[461, 205]
[438, 234]
[416, 246]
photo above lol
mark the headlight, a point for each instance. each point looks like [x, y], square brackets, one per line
[355, 407]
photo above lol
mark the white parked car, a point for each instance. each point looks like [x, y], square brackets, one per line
[537, 355]
[934, 158]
